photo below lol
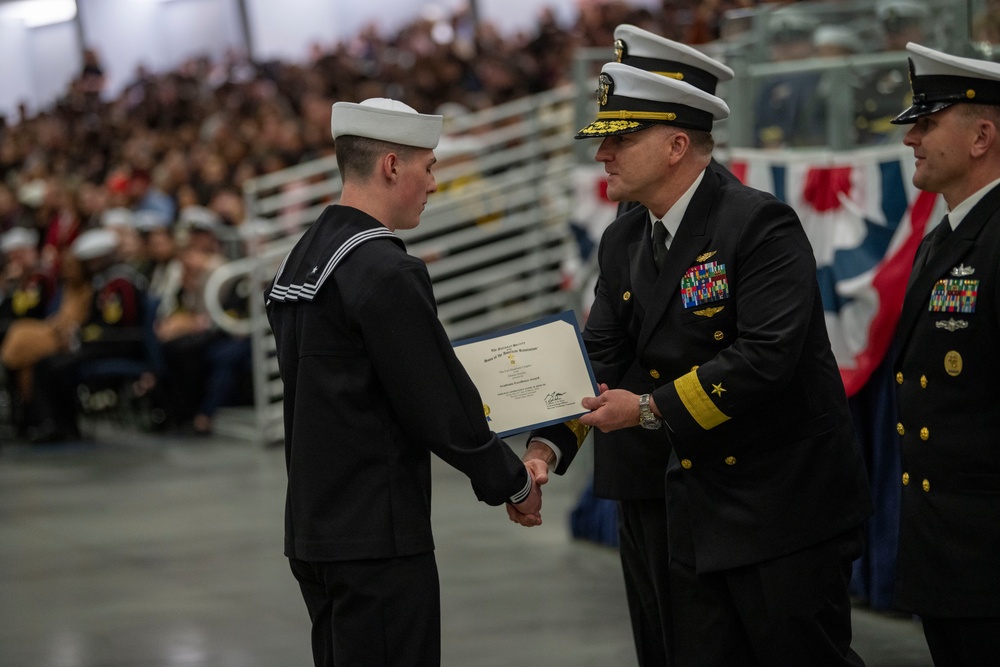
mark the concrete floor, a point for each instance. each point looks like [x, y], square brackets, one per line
[158, 551]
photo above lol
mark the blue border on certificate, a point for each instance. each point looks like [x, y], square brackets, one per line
[566, 316]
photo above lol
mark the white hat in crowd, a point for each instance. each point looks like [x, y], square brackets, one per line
[17, 238]
[94, 243]
[646, 50]
[386, 120]
[117, 217]
[147, 219]
[940, 80]
[632, 99]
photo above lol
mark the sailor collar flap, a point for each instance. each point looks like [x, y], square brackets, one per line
[327, 243]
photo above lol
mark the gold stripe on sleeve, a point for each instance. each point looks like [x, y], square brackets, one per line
[579, 429]
[697, 402]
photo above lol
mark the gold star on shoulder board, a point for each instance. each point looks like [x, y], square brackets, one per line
[717, 389]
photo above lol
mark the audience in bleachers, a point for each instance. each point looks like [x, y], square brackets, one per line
[189, 138]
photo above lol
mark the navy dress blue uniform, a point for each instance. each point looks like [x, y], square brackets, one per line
[949, 356]
[768, 491]
[630, 465]
[372, 387]
[947, 360]
[359, 431]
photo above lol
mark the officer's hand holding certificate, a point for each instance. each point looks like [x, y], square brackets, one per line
[530, 376]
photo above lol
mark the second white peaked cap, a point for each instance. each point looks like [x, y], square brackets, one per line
[647, 50]
[940, 80]
[386, 120]
[632, 99]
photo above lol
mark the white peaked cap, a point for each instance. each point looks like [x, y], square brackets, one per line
[653, 53]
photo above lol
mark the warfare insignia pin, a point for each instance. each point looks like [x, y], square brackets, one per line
[603, 89]
[708, 312]
[705, 256]
[962, 270]
[951, 324]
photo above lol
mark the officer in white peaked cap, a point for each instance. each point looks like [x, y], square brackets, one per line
[710, 289]
[630, 464]
[372, 387]
[948, 338]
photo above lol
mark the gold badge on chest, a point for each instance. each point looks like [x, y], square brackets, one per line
[953, 363]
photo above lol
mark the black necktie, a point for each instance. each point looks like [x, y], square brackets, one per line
[937, 238]
[659, 244]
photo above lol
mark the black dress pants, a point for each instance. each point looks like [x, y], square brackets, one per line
[383, 612]
[963, 642]
[642, 544]
[791, 611]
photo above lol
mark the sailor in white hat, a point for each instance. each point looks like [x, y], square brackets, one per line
[25, 290]
[371, 388]
[710, 289]
[949, 341]
[112, 329]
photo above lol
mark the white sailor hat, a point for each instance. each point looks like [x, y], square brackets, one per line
[117, 217]
[940, 80]
[200, 218]
[386, 120]
[17, 238]
[646, 50]
[94, 243]
[837, 35]
[147, 219]
[632, 99]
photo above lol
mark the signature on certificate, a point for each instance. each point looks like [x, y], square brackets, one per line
[554, 397]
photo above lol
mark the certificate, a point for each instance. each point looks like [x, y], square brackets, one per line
[530, 376]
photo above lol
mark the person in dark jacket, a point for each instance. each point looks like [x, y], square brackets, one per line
[372, 387]
[947, 357]
[630, 464]
[711, 289]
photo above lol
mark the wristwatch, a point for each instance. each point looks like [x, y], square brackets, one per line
[646, 417]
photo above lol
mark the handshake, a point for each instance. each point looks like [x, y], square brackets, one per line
[529, 512]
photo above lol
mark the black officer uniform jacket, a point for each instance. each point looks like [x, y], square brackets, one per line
[371, 387]
[732, 334]
[947, 367]
[630, 464]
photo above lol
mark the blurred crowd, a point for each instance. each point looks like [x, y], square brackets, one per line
[161, 165]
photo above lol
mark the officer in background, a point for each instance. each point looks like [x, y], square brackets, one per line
[881, 92]
[787, 110]
[948, 362]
